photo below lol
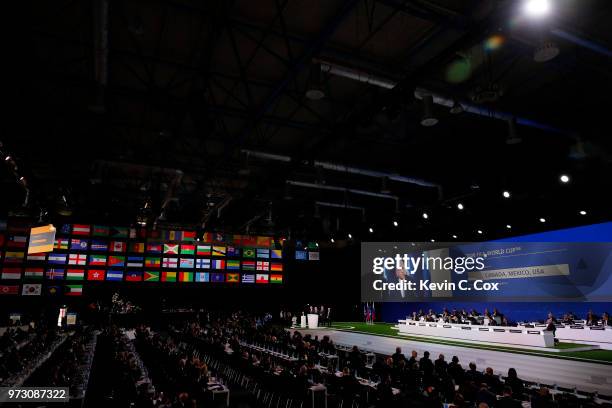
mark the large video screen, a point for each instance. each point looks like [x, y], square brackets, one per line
[94, 254]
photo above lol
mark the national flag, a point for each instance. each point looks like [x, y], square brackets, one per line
[248, 265]
[248, 253]
[203, 250]
[57, 259]
[312, 246]
[114, 260]
[53, 290]
[9, 289]
[313, 256]
[97, 260]
[263, 265]
[117, 246]
[133, 233]
[65, 229]
[232, 251]
[95, 275]
[249, 241]
[118, 232]
[152, 262]
[263, 241]
[100, 231]
[276, 253]
[73, 290]
[81, 229]
[262, 278]
[11, 273]
[232, 265]
[217, 277]
[232, 278]
[218, 250]
[151, 276]
[218, 264]
[248, 278]
[172, 249]
[98, 245]
[207, 237]
[237, 239]
[202, 264]
[135, 261]
[137, 247]
[133, 276]
[34, 273]
[185, 276]
[13, 257]
[31, 289]
[276, 267]
[75, 274]
[168, 276]
[186, 263]
[170, 263]
[276, 278]
[17, 241]
[189, 235]
[154, 234]
[154, 248]
[78, 259]
[79, 244]
[263, 253]
[301, 255]
[114, 275]
[55, 274]
[202, 277]
[187, 249]
[36, 257]
[61, 243]
[218, 237]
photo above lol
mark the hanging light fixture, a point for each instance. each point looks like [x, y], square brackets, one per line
[428, 119]
[316, 90]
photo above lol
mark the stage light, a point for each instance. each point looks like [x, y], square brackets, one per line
[479, 232]
[350, 236]
[454, 236]
[460, 206]
[583, 212]
[508, 226]
[371, 230]
[428, 115]
[433, 240]
[332, 240]
[536, 8]
[317, 244]
[542, 219]
[564, 178]
[21, 178]
[7, 158]
[506, 194]
[425, 215]
[395, 223]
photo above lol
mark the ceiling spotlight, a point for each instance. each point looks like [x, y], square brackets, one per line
[564, 178]
[316, 90]
[542, 219]
[350, 236]
[456, 109]
[536, 8]
[317, 244]
[332, 240]
[545, 52]
[460, 206]
[479, 232]
[428, 119]
[506, 194]
[425, 215]
[583, 212]
[370, 230]
[7, 158]
[508, 226]
[433, 240]
[395, 223]
[454, 236]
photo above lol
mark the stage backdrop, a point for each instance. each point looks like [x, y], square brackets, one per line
[521, 311]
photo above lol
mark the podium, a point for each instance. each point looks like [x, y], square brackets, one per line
[313, 321]
[303, 322]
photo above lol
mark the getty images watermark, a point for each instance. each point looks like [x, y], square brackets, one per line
[511, 271]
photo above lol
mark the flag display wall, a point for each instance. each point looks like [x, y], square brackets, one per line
[64, 260]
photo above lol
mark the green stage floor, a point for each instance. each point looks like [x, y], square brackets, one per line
[564, 350]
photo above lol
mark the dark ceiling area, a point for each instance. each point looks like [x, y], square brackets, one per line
[310, 119]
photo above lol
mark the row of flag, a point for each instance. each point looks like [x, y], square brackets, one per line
[36, 289]
[142, 262]
[157, 276]
[306, 255]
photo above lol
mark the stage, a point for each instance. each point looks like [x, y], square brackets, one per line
[586, 370]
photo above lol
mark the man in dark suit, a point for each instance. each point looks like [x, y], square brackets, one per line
[397, 356]
[426, 366]
[473, 375]
[507, 401]
[492, 380]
